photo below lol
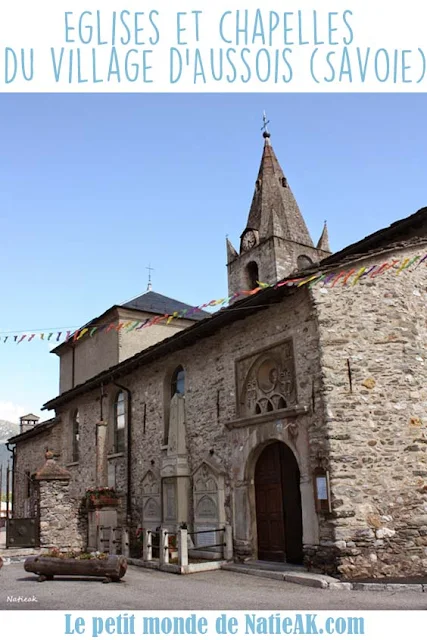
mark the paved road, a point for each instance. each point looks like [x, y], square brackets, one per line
[145, 589]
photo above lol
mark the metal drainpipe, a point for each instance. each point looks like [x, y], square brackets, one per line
[129, 451]
[13, 452]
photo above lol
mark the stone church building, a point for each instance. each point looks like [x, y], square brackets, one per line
[296, 415]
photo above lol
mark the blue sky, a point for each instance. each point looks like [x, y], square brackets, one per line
[94, 188]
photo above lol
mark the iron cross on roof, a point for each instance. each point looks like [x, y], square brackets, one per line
[149, 269]
[265, 123]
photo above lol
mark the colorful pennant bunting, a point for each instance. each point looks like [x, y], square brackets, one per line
[344, 278]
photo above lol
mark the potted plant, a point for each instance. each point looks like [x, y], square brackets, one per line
[173, 546]
[76, 563]
[101, 497]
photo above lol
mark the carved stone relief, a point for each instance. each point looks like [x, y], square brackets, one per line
[151, 512]
[169, 499]
[266, 382]
[208, 500]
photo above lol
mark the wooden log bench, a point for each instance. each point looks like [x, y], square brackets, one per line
[111, 569]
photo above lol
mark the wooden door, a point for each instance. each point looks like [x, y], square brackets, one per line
[278, 505]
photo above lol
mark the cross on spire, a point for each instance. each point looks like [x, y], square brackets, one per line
[264, 127]
[149, 269]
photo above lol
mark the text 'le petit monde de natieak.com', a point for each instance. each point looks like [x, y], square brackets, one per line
[265, 46]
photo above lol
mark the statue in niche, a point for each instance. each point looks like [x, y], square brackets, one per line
[176, 435]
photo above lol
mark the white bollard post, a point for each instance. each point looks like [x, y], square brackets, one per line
[164, 547]
[147, 549]
[125, 542]
[183, 548]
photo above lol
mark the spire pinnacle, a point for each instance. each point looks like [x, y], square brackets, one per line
[323, 244]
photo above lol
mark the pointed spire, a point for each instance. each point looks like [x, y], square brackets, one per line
[323, 244]
[231, 251]
[273, 194]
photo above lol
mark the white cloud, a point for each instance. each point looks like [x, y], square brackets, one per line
[11, 412]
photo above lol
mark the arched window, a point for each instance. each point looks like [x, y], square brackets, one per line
[178, 382]
[252, 275]
[76, 436]
[304, 262]
[119, 422]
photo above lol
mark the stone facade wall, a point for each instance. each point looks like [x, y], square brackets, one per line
[30, 456]
[134, 341]
[371, 438]
[376, 432]
[60, 523]
[210, 399]
[83, 472]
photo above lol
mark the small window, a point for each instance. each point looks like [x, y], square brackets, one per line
[119, 422]
[284, 182]
[28, 483]
[178, 382]
[76, 436]
[282, 403]
[252, 275]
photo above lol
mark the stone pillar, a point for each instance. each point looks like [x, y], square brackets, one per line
[175, 470]
[228, 541]
[101, 453]
[59, 513]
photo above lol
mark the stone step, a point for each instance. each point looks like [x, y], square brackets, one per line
[302, 577]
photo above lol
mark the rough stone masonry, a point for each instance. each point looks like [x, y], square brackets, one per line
[375, 430]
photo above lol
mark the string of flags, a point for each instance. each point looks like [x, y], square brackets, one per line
[344, 278]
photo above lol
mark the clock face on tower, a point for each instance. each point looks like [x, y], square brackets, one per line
[248, 240]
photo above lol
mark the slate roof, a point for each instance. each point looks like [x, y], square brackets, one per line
[149, 302]
[152, 302]
[411, 227]
[31, 433]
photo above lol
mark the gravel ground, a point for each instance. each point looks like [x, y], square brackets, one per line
[145, 589]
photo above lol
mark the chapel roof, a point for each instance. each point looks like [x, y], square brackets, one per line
[152, 302]
[31, 433]
[149, 302]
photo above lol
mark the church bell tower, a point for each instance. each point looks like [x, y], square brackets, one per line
[275, 241]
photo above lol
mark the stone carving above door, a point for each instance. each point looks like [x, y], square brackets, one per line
[266, 381]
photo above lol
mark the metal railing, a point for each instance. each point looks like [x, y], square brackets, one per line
[182, 548]
[113, 540]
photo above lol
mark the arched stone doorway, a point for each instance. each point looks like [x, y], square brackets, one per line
[278, 505]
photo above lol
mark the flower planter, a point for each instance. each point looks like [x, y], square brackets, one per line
[103, 501]
[112, 568]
